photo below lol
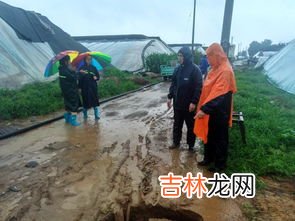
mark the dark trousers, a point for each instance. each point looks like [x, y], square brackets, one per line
[181, 116]
[216, 149]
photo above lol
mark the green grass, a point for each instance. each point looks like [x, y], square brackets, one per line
[44, 98]
[270, 128]
[31, 100]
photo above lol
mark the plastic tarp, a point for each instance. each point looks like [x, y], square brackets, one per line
[34, 27]
[261, 61]
[127, 55]
[28, 41]
[280, 68]
[21, 61]
[262, 57]
[264, 54]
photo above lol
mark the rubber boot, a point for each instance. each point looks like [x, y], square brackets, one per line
[73, 121]
[67, 117]
[85, 114]
[96, 113]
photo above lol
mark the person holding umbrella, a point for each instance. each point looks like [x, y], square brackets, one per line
[69, 87]
[88, 78]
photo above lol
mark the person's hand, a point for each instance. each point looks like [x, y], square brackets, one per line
[83, 71]
[192, 107]
[95, 78]
[200, 115]
[169, 103]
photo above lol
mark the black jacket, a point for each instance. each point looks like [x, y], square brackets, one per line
[68, 81]
[89, 86]
[219, 108]
[186, 83]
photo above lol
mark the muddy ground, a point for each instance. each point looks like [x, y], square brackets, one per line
[108, 170]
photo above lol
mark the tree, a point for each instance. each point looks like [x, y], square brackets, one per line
[265, 45]
[254, 47]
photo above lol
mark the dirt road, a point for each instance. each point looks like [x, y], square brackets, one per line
[106, 170]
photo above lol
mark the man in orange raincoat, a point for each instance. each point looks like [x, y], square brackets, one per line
[214, 115]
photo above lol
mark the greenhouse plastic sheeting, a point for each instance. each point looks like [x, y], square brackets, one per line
[281, 68]
[128, 55]
[261, 61]
[21, 61]
[34, 27]
[262, 57]
[28, 41]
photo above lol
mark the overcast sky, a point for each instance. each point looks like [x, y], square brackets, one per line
[170, 19]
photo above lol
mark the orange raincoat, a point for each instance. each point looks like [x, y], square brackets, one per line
[220, 80]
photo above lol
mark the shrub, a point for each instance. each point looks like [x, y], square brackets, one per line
[153, 61]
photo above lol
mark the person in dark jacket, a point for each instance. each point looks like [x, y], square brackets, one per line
[214, 116]
[69, 87]
[88, 84]
[185, 92]
[204, 65]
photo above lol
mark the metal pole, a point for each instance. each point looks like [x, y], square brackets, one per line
[193, 34]
[227, 18]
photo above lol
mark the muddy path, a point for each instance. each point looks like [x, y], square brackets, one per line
[106, 170]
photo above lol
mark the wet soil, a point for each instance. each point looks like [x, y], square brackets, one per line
[276, 201]
[107, 170]
[8, 126]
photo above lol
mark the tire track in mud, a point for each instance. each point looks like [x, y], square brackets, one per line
[124, 155]
[151, 165]
[149, 188]
[143, 160]
[133, 154]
